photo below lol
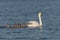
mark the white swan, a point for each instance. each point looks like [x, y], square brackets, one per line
[34, 24]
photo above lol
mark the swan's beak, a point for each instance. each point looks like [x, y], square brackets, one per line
[40, 14]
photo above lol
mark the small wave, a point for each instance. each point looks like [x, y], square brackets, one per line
[24, 38]
[43, 38]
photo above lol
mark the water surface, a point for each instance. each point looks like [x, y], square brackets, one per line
[25, 10]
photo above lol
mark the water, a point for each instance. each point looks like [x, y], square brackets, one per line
[25, 10]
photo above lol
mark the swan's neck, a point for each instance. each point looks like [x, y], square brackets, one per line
[40, 21]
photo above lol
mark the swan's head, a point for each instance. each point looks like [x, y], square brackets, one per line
[40, 14]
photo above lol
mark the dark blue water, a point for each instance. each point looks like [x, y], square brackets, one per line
[25, 10]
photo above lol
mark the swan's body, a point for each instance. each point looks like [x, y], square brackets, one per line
[34, 24]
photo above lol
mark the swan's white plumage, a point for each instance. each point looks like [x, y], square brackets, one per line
[34, 24]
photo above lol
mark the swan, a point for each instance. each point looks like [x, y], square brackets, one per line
[34, 24]
[31, 24]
